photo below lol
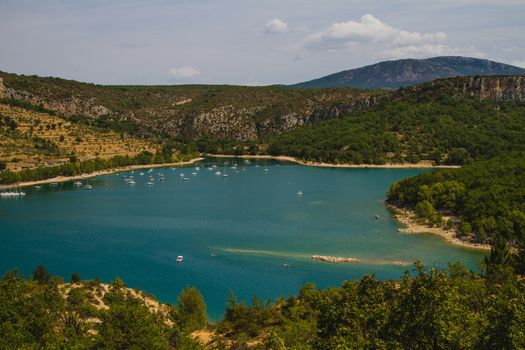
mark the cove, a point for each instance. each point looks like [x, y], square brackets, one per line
[253, 221]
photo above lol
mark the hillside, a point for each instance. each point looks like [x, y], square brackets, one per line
[30, 139]
[449, 121]
[189, 112]
[405, 72]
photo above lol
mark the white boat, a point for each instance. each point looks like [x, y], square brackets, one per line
[77, 183]
[185, 179]
[180, 258]
[198, 168]
[141, 174]
[88, 187]
[299, 193]
[12, 194]
[181, 175]
[131, 182]
[149, 183]
[53, 184]
[218, 173]
[38, 187]
[194, 173]
[225, 175]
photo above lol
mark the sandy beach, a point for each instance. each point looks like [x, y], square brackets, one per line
[407, 218]
[97, 173]
[330, 165]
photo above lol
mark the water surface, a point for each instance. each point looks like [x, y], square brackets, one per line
[253, 220]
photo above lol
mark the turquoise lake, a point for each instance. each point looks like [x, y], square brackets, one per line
[253, 220]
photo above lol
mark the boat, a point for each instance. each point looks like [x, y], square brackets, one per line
[77, 183]
[181, 175]
[180, 258]
[286, 265]
[198, 168]
[194, 173]
[88, 187]
[213, 254]
[12, 194]
[38, 187]
[162, 178]
[376, 217]
[185, 179]
[141, 174]
[149, 183]
[53, 184]
[218, 173]
[225, 175]
[131, 182]
[299, 193]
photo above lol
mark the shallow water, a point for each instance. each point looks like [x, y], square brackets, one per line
[253, 220]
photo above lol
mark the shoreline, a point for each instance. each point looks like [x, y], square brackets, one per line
[97, 173]
[411, 226]
[332, 165]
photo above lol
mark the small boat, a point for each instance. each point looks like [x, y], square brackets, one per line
[265, 169]
[218, 173]
[286, 265]
[181, 175]
[213, 254]
[180, 258]
[198, 168]
[149, 183]
[141, 174]
[299, 193]
[131, 182]
[376, 217]
[162, 178]
[12, 194]
[88, 187]
[225, 175]
[77, 183]
[185, 179]
[210, 168]
[38, 187]
[53, 184]
[193, 173]
[150, 171]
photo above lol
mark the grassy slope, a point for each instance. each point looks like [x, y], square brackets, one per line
[37, 138]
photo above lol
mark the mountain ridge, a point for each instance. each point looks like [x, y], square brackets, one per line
[405, 72]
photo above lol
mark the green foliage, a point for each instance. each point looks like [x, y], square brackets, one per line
[129, 325]
[90, 166]
[191, 310]
[41, 275]
[486, 195]
[451, 130]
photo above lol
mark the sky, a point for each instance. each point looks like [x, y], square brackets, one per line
[247, 42]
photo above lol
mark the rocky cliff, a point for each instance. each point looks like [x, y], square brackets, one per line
[228, 112]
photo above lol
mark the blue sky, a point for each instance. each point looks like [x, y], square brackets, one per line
[246, 41]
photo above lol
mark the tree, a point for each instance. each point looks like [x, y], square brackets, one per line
[129, 325]
[75, 278]
[41, 275]
[191, 309]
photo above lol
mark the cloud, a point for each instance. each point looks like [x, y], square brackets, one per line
[183, 72]
[368, 30]
[370, 33]
[276, 26]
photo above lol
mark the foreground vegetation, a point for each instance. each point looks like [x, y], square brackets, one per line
[426, 309]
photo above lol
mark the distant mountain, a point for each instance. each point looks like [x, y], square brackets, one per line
[405, 72]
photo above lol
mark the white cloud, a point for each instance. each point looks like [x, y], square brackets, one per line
[368, 30]
[183, 72]
[276, 26]
[371, 34]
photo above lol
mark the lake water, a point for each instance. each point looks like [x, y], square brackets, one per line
[253, 220]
